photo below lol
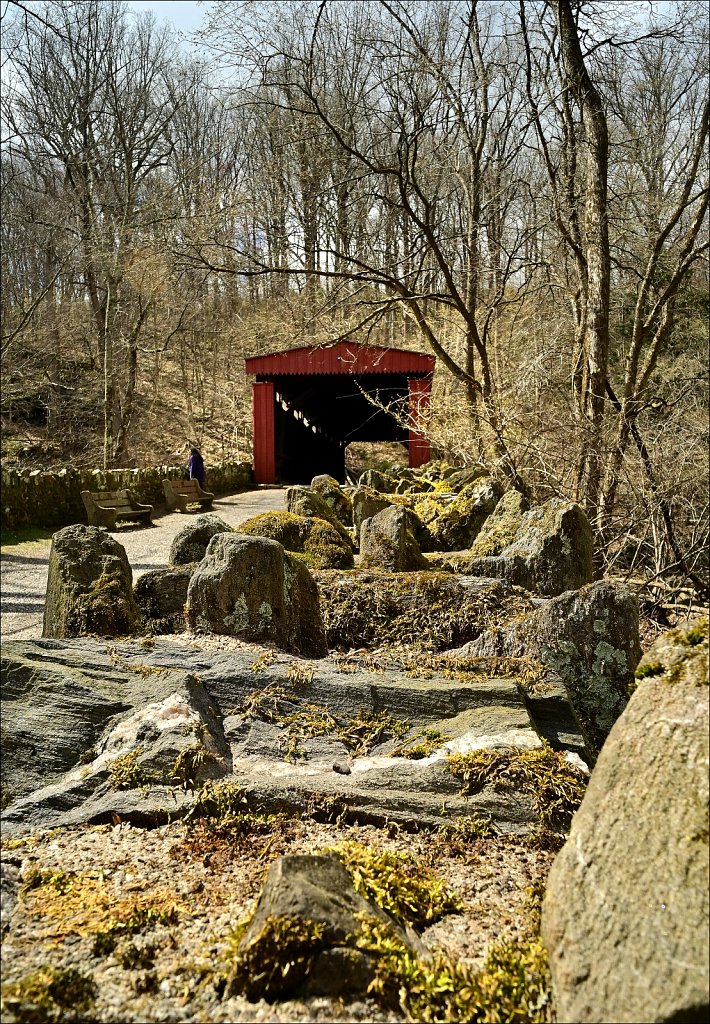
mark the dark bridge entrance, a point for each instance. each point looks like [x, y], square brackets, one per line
[309, 403]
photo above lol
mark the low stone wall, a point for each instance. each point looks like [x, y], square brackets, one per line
[35, 498]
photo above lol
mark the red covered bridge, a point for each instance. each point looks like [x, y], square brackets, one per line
[309, 403]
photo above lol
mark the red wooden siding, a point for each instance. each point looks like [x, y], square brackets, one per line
[345, 357]
[263, 422]
[419, 396]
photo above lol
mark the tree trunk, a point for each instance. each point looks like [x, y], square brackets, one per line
[598, 258]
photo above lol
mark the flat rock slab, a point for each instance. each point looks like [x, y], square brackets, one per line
[63, 698]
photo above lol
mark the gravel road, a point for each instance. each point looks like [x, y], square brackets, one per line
[23, 567]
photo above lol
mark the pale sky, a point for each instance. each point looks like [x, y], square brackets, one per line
[186, 15]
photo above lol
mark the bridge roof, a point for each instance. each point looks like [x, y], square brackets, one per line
[346, 357]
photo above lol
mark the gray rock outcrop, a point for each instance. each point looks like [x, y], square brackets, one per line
[550, 553]
[388, 541]
[89, 586]
[86, 736]
[303, 891]
[251, 588]
[161, 595]
[302, 501]
[625, 914]
[367, 503]
[589, 639]
[77, 715]
[190, 544]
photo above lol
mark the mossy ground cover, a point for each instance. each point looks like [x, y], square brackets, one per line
[512, 984]
[219, 856]
[423, 611]
[530, 674]
[554, 786]
[50, 994]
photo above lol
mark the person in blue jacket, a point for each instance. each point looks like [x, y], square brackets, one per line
[196, 467]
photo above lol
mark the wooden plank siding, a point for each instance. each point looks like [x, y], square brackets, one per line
[345, 357]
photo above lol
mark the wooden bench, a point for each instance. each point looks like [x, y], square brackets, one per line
[104, 507]
[181, 493]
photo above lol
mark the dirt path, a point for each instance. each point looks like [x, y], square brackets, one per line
[23, 567]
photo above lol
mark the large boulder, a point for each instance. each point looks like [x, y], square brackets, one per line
[320, 544]
[550, 553]
[190, 544]
[89, 586]
[367, 503]
[455, 525]
[161, 595]
[372, 739]
[302, 501]
[589, 638]
[382, 482]
[625, 914]
[87, 736]
[388, 541]
[431, 611]
[503, 523]
[335, 497]
[310, 904]
[251, 588]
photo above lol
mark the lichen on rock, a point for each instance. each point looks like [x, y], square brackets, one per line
[89, 586]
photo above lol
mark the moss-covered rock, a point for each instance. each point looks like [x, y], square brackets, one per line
[302, 935]
[453, 525]
[388, 541]
[251, 588]
[502, 525]
[89, 586]
[190, 544]
[590, 639]
[551, 552]
[321, 545]
[161, 595]
[367, 503]
[335, 497]
[302, 501]
[427, 610]
[678, 656]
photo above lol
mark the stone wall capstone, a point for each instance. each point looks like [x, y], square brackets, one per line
[34, 498]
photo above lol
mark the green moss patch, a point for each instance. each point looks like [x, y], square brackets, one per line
[398, 883]
[318, 542]
[421, 611]
[421, 744]
[142, 918]
[49, 994]
[124, 772]
[512, 985]
[280, 960]
[554, 786]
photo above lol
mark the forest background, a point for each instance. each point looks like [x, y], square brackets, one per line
[518, 186]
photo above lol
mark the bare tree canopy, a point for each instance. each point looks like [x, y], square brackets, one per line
[518, 186]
